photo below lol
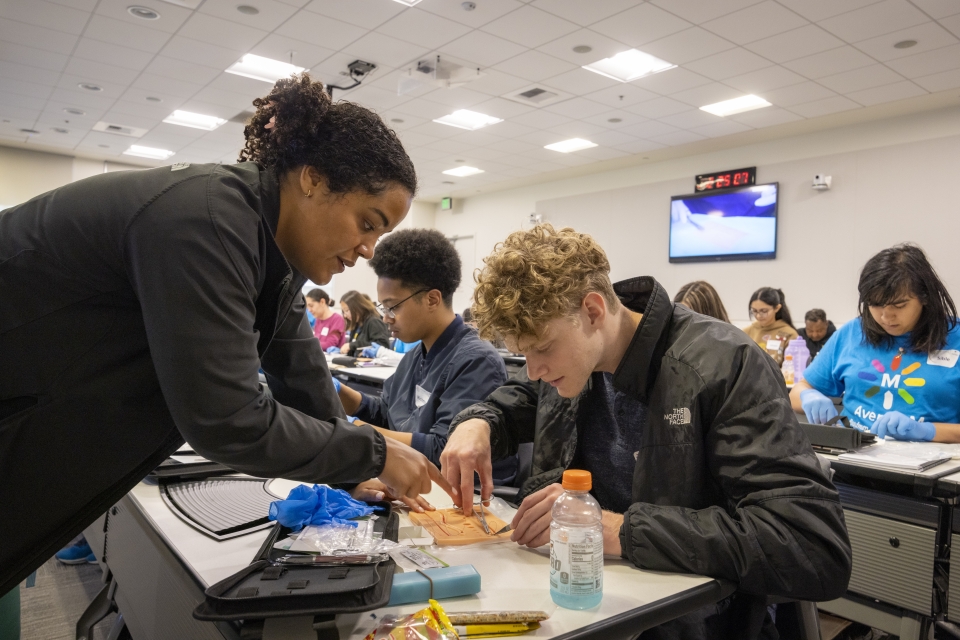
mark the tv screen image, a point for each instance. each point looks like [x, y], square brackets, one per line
[738, 224]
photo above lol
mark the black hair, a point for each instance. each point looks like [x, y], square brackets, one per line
[773, 297]
[901, 271]
[815, 315]
[420, 259]
[319, 295]
[467, 315]
[348, 144]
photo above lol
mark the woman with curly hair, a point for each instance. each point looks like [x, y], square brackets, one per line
[178, 284]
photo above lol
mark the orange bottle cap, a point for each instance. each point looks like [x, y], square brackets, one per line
[577, 480]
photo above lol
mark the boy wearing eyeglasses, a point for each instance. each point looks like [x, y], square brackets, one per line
[418, 271]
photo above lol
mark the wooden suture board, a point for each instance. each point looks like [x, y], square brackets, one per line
[452, 527]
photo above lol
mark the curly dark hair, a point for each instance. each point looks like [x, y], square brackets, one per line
[348, 144]
[420, 259]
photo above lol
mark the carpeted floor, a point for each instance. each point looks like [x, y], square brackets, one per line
[49, 610]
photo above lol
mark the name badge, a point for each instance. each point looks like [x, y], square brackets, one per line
[946, 358]
[422, 397]
[325, 331]
[773, 345]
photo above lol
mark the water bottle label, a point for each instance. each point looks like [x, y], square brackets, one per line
[576, 562]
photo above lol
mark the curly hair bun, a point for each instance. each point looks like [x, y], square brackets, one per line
[298, 124]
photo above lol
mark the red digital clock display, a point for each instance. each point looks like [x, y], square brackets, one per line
[726, 179]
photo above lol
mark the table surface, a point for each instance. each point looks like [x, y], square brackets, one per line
[513, 577]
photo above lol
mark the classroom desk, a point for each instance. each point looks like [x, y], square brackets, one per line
[161, 566]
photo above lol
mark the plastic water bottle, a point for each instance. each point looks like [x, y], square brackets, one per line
[576, 544]
[801, 357]
[787, 369]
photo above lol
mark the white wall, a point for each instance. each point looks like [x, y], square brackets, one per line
[893, 180]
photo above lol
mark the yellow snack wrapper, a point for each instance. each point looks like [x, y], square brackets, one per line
[427, 624]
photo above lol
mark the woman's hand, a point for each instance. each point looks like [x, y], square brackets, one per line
[345, 349]
[531, 524]
[896, 425]
[375, 491]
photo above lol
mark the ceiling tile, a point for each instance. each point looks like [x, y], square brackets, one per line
[512, 146]
[82, 99]
[375, 98]
[540, 119]
[584, 13]
[31, 58]
[384, 50]
[109, 90]
[497, 83]
[222, 33]
[707, 94]
[874, 20]
[323, 30]
[129, 119]
[677, 138]
[535, 66]
[26, 102]
[699, 11]
[798, 94]
[640, 146]
[727, 64]
[83, 5]
[577, 108]
[98, 72]
[671, 81]
[640, 25]
[189, 50]
[25, 88]
[824, 107]
[887, 93]
[940, 81]
[501, 108]
[612, 138]
[601, 153]
[755, 23]
[126, 35]
[937, 9]
[622, 95]
[480, 15]
[424, 109]
[530, 27]
[333, 70]
[650, 129]
[689, 44]
[830, 62]
[36, 37]
[690, 119]
[241, 85]
[719, 129]
[928, 36]
[759, 82]
[580, 82]
[457, 98]
[45, 14]
[658, 108]
[368, 14]
[181, 69]
[237, 101]
[279, 47]
[112, 54]
[164, 86]
[767, 117]
[541, 138]
[797, 43]
[625, 119]
[924, 64]
[28, 74]
[171, 16]
[272, 13]
[816, 10]
[603, 47]
[577, 129]
[858, 79]
[423, 29]
[482, 48]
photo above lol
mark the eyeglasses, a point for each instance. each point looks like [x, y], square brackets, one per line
[390, 312]
[760, 312]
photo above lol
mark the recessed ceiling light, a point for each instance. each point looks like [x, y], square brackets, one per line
[737, 105]
[265, 69]
[34, 131]
[75, 112]
[397, 120]
[629, 65]
[466, 119]
[60, 130]
[194, 120]
[144, 13]
[582, 48]
[615, 120]
[905, 44]
[408, 3]
[153, 99]
[248, 10]
[86, 86]
[148, 152]
[573, 144]
[463, 172]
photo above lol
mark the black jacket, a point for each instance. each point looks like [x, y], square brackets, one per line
[136, 310]
[371, 330]
[814, 346]
[726, 484]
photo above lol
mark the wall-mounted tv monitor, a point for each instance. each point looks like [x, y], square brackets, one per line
[736, 224]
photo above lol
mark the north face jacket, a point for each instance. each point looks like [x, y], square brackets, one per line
[174, 294]
[726, 484]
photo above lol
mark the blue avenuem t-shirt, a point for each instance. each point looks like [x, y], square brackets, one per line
[875, 380]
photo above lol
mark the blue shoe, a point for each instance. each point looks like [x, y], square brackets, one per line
[76, 554]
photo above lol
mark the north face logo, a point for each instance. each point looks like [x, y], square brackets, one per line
[678, 417]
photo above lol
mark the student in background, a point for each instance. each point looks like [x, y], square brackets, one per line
[418, 271]
[817, 331]
[697, 459]
[772, 327]
[896, 365]
[328, 326]
[701, 297]
[365, 326]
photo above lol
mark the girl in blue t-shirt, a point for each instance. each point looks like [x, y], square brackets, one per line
[895, 366]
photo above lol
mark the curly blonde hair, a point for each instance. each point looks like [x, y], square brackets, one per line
[535, 276]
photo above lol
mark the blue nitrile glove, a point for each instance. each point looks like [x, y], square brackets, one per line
[818, 407]
[317, 505]
[333, 349]
[371, 351]
[896, 425]
[352, 419]
[336, 385]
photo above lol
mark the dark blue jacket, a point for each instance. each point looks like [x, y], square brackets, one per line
[460, 370]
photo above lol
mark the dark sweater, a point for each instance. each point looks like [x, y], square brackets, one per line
[371, 330]
[815, 345]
